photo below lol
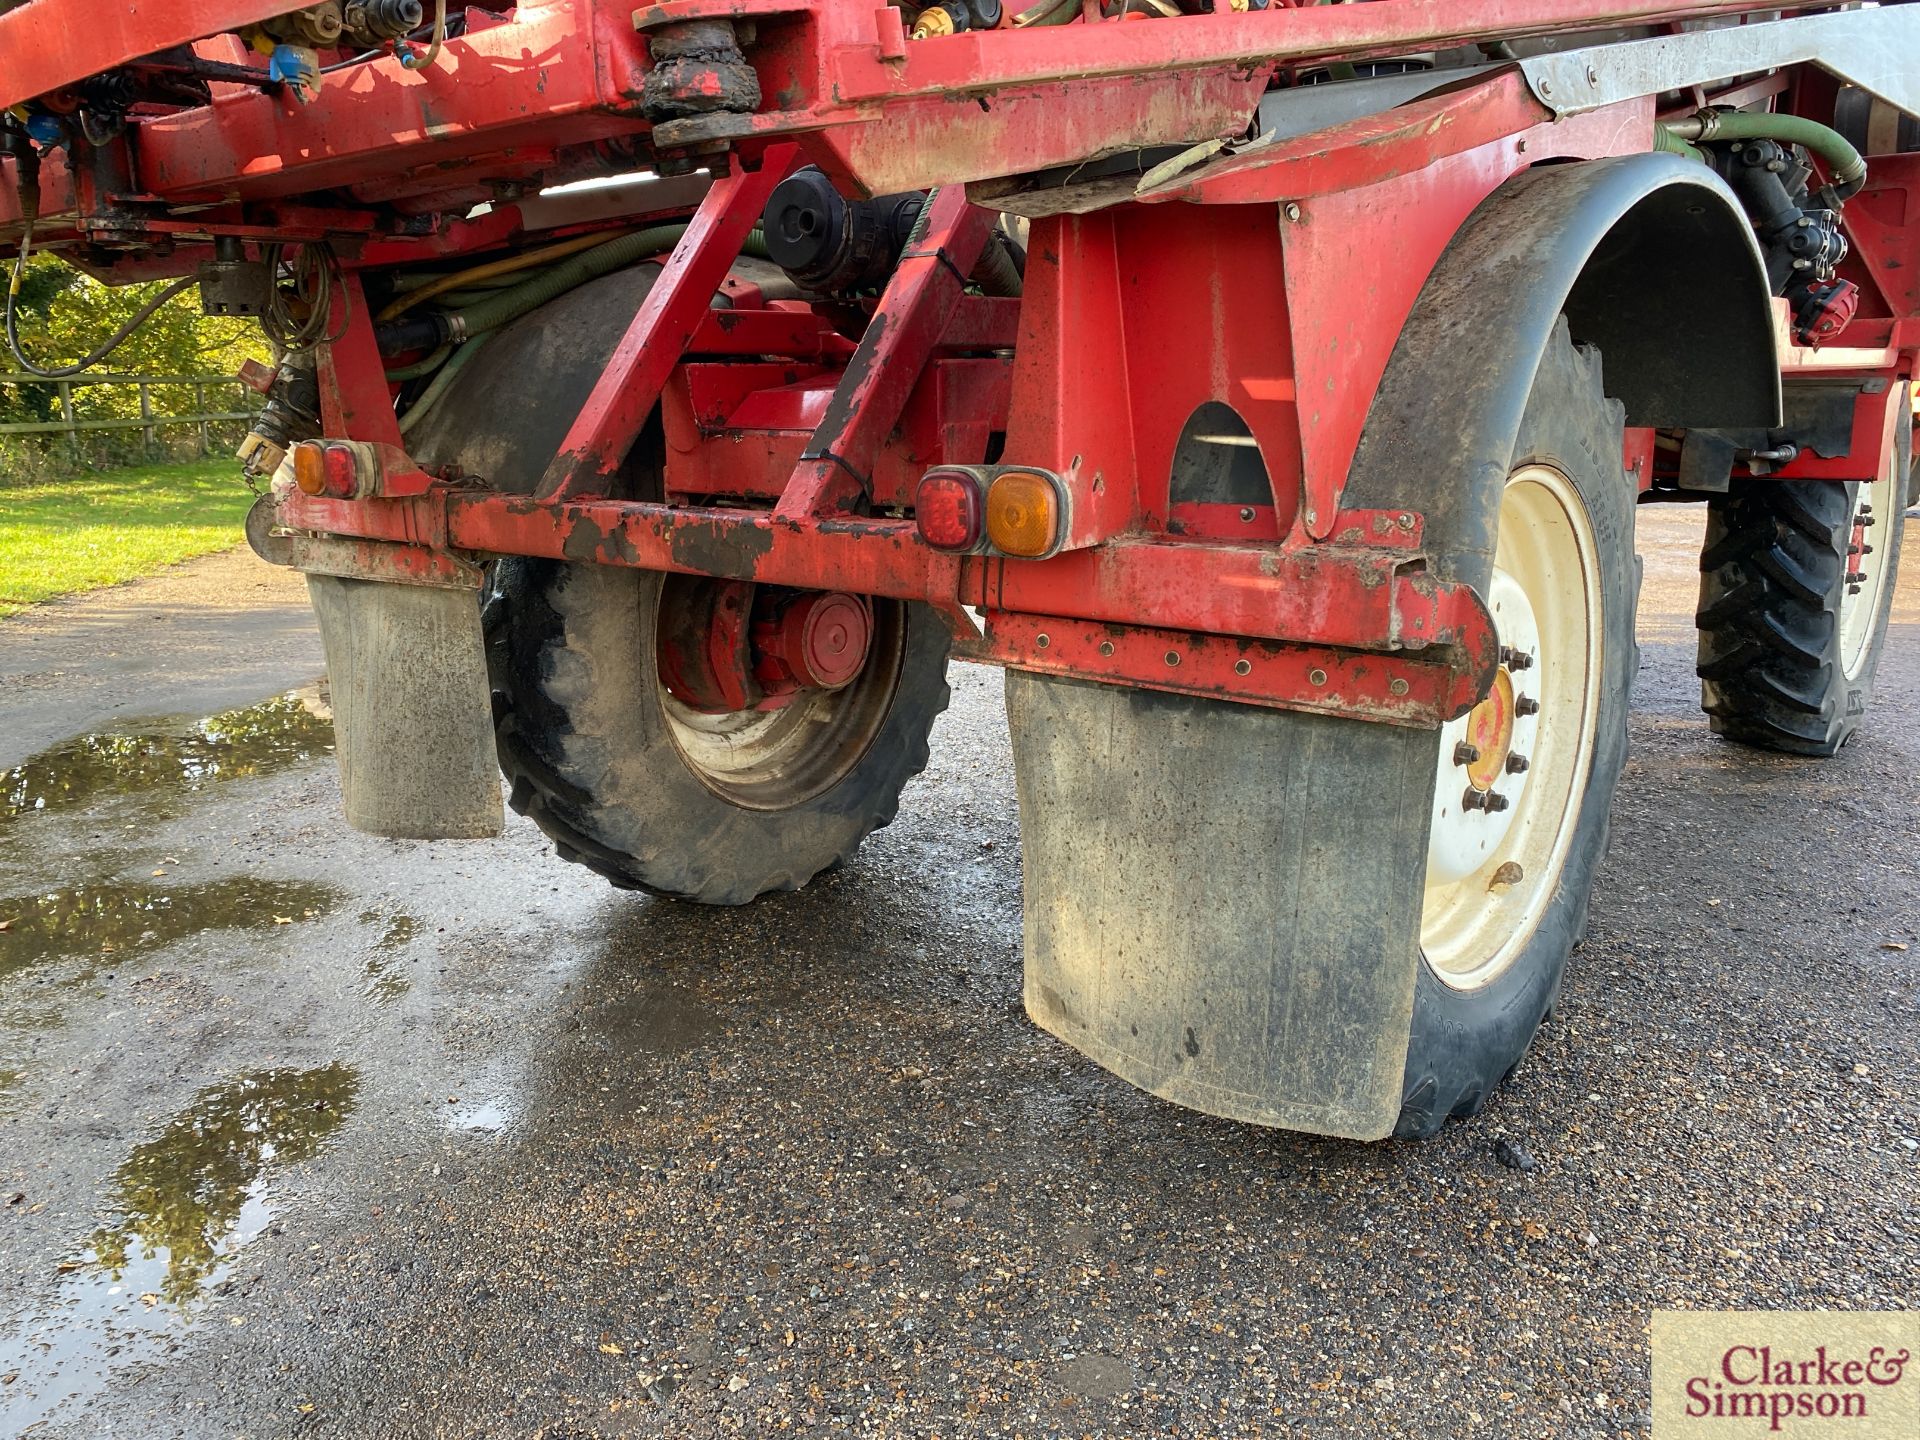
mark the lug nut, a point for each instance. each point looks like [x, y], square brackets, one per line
[1496, 801]
[1515, 659]
[1526, 705]
[1491, 801]
[1465, 753]
[1516, 764]
[1856, 577]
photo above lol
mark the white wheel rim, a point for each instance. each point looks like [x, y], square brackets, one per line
[1875, 507]
[1492, 872]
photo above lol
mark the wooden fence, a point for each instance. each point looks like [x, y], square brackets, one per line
[147, 422]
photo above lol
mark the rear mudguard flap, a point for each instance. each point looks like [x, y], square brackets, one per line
[1222, 901]
[412, 720]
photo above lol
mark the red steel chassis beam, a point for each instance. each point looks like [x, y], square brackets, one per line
[1348, 599]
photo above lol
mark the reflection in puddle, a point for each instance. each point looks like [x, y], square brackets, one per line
[158, 760]
[95, 922]
[181, 1193]
[187, 1201]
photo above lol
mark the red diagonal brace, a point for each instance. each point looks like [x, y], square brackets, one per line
[630, 386]
[355, 403]
[914, 312]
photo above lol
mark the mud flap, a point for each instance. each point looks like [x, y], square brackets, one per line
[1223, 901]
[411, 708]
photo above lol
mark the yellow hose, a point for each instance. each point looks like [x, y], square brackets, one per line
[524, 261]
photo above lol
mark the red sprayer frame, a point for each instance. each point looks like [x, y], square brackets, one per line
[1275, 281]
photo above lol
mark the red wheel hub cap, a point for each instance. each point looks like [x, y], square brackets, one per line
[818, 642]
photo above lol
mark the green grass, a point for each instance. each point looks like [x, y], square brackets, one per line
[63, 536]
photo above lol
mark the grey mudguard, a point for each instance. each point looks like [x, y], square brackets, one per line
[412, 726]
[1216, 911]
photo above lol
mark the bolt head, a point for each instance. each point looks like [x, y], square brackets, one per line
[1495, 802]
[1526, 705]
[1517, 764]
[1293, 211]
[1465, 753]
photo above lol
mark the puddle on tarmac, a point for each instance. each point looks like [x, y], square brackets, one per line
[186, 1203]
[96, 924]
[162, 760]
[385, 981]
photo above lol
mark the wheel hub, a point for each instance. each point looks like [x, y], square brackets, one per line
[1511, 771]
[1487, 754]
[727, 645]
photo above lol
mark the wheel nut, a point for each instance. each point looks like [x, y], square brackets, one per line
[1515, 659]
[1473, 799]
[1465, 753]
[1856, 577]
[1516, 764]
[1495, 801]
[1526, 705]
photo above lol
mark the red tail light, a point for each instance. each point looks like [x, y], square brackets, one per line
[332, 468]
[947, 508]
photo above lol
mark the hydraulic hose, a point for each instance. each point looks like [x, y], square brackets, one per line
[423, 367]
[575, 271]
[460, 279]
[1665, 140]
[437, 386]
[1846, 168]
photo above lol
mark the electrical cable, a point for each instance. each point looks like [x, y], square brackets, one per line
[312, 273]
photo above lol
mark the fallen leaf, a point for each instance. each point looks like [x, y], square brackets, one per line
[1534, 1230]
[65, 1265]
[611, 1350]
[305, 1407]
[149, 1299]
[283, 920]
[1890, 945]
[159, 874]
[6, 924]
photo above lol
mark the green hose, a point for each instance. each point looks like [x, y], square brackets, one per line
[1846, 169]
[576, 270]
[1665, 140]
[438, 385]
[422, 367]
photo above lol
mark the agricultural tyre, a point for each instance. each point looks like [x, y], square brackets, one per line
[600, 751]
[1796, 581]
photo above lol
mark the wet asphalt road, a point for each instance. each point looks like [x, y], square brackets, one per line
[308, 1133]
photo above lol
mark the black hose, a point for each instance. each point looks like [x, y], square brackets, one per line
[112, 343]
